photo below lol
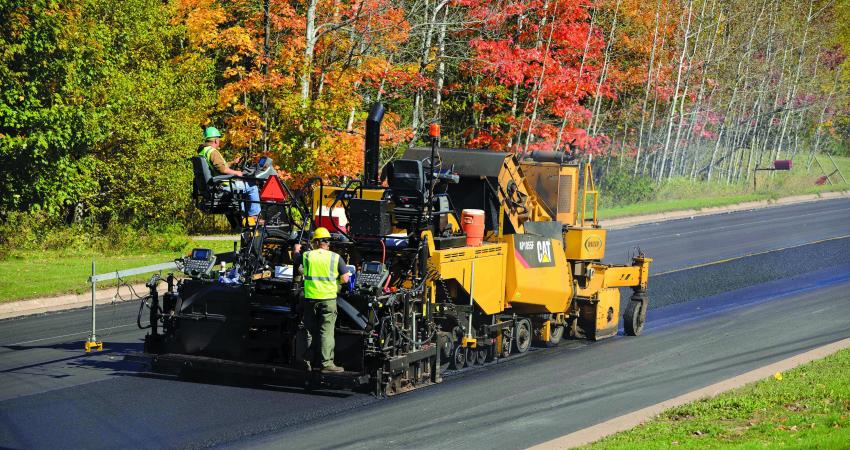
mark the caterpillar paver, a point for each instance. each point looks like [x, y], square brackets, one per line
[422, 300]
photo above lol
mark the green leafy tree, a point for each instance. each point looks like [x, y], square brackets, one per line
[99, 107]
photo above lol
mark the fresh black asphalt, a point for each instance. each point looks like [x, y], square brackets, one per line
[716, 321]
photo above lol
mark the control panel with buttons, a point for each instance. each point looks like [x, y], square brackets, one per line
[198, 263]
[371, 277]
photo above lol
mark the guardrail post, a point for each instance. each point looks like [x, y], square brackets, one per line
[92, 343]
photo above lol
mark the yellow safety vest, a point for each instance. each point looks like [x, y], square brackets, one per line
[320, 274]
[205, 153]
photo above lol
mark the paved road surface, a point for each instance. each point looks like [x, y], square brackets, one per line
[555, 393]
[53, 395]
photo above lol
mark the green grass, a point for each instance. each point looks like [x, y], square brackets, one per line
[30, 274]
[808, 408]
[683, 194]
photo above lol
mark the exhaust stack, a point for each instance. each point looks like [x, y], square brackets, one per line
[372, 151]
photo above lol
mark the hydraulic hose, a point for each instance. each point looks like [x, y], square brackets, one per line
[139, 317]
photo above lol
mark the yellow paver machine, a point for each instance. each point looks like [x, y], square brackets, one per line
[459, 256]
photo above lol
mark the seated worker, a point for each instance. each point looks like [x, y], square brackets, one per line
[218, 166]
[322, 270]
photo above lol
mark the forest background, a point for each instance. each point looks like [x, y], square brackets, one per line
[102, 102]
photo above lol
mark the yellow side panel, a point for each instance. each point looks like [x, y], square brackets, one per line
[329, 195]
[608, 309]
[538, 275]
[567, 194]
[488, 289]
[585, 243]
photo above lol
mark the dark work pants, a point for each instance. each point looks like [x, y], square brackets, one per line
[320, 321]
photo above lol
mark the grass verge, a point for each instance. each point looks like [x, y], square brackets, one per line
[32, 274]
[684, 194]
[807, 407]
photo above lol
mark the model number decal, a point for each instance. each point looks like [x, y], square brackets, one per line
[535, 252]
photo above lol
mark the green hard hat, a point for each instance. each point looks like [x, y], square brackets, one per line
[211, 133]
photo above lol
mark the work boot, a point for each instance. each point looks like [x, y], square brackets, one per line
[333, 368]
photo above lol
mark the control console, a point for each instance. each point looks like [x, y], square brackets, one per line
[198, 263]
[372, 277]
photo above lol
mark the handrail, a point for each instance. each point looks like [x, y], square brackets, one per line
[92, 343]
[589, 188]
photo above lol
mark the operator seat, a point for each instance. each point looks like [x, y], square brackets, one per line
[208, 193]
[409, 192]
[407, 186]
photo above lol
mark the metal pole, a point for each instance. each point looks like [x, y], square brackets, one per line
[471, 289]
[836, 167]
[755, 175]
[414, 332]
[93, 313]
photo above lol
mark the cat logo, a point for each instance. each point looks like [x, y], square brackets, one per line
[544, 252]
[593, 243]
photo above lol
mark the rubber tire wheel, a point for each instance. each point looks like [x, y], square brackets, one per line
[445, 341]
[458, 360]
[634, 318]
[445, 351]
[556, 333]
[483, 354]
[471, 356]
[507, 343]
[522, 336]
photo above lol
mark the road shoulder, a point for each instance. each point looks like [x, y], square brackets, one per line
[631, 420]
[629, 221]
[43, 305]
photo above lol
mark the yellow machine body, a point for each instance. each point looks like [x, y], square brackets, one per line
[487, 288]
[602, 276]
[599, 315]
[554, 277]
[327, 195]
[556, 187]
[541, 261]
[585, 243]
[538, 275]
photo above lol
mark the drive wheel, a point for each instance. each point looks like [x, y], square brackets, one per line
[458, 360]
[522, 336]
[555, 335]
[634, 318]
[483, 353]
[471, 356]
[445, 342]
[506, 343]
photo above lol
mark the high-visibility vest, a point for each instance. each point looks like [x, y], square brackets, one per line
[320, 274]
[205, 153]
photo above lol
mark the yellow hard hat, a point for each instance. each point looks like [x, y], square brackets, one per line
[321, 233]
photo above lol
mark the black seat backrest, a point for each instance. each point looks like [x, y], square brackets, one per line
[203, 176]
[407, 180]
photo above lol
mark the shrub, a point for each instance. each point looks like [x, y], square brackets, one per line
[32, 232]
[618, 187]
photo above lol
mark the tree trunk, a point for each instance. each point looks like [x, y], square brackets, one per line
[540, 81]
[441, 67]
[597, 101]
[647, 88]
[309, 50]
[676, 91]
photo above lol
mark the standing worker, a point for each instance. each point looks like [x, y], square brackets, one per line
[322, 270]
[218, 166]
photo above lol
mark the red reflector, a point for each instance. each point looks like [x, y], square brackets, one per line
[273, 190]
[782, 164]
